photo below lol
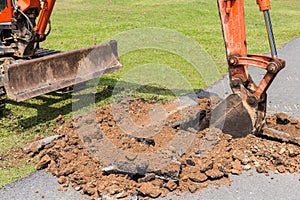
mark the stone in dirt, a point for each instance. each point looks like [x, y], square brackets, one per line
[171, 185]
[43, 163]
[214, 173]
[36, 146]
[150, 190]
[192, 188]
[197, 176]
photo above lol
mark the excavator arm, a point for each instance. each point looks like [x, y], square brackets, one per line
[44, 18]
[247, 105]
[44, 15]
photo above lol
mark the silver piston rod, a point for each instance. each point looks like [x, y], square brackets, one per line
[270, 34]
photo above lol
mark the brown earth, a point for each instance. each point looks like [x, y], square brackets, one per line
[184, 160]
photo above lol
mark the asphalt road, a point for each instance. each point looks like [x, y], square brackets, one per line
[283, 96]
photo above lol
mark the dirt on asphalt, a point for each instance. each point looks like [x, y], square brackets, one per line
[186, 165]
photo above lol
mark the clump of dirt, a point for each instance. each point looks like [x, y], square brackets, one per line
[283, 127]
[208, 159]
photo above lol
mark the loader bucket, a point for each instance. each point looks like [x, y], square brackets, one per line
[234, 116]
[38, 76]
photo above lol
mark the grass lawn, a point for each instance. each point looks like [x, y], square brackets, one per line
[79, 23]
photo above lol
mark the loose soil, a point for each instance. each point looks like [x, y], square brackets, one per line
[111, 151]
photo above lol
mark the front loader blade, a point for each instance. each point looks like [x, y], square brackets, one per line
[234, 116]
[38, 76]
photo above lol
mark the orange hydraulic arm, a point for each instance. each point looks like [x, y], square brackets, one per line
[44, 16]
[234, 32]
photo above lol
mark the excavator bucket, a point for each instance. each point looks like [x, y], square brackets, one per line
[30, 78]
[236, 117]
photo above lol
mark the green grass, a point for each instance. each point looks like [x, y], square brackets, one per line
[79, 23]
[13, 173]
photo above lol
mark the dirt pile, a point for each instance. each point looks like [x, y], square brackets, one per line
[191, 164]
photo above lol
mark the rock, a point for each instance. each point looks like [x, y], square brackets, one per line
[66, 184]
[261, 169]
[88, 190]
[67, 171]
[197, 177]
[282, 118]
[203, 185]
[236, 165]
[52, 167]
[150, 190]
[206, 165]
[36, 146]
[281, 169]
[241, 156]
[171, 185]
[214, 173]
[146, 141]
[246, 167]
[148, 177]
[122, 195]
[236, 172]
[68, 155]
[110, 169]
[114, 189]
[62, 180]
[43, 163]
[282, 150]
[192, 188]
[190, 162]
[292, 150]
[198, 152]
[59, 119]
[291, 169]
[158, 183]
[77, 188]
[180, 152]
[293, 120]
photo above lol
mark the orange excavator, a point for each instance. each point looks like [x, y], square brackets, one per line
[27, 70]
[244, 111]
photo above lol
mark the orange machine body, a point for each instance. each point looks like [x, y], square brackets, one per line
[6, 14]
